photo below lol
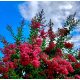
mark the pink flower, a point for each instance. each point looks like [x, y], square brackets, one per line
[51, 34]
[44, 56]
[39, 41]
[35, 24]
[63, 31]
[10, 49]
[25, 48]
[38, 49]
[70, 68]
[35, 53]
[68, 45]
[72, 58]
[58, 52]
[77, 76]
[5, 69]
[25, 59]
[12, 46]
[54, 63]
[64, 70]
[51, 46]
[5, 76]
[36, 63]
[6, 50]
[77, 65]
[1, 69]
[59, 65]
[25, 63]
[11, 65]
[5, 59]
[43, 34]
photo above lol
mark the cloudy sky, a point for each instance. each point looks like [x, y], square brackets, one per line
[13, 12]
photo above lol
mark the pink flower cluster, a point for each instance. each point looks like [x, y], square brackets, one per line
[57, 65]
[50, 47]
[51, 34]
[29, 54]
[43, 34]
[9, 50]
[77, 65]
[72, 58]
[68, 45]
[5, 68]
[35, 24]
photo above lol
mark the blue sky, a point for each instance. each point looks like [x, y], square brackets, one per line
[9, 14]
[13, 12]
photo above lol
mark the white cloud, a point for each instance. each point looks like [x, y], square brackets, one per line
[67, 7]
[75, 39]
[57, 11]
[28, 9]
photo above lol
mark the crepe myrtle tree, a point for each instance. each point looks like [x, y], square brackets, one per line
[34, 58]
